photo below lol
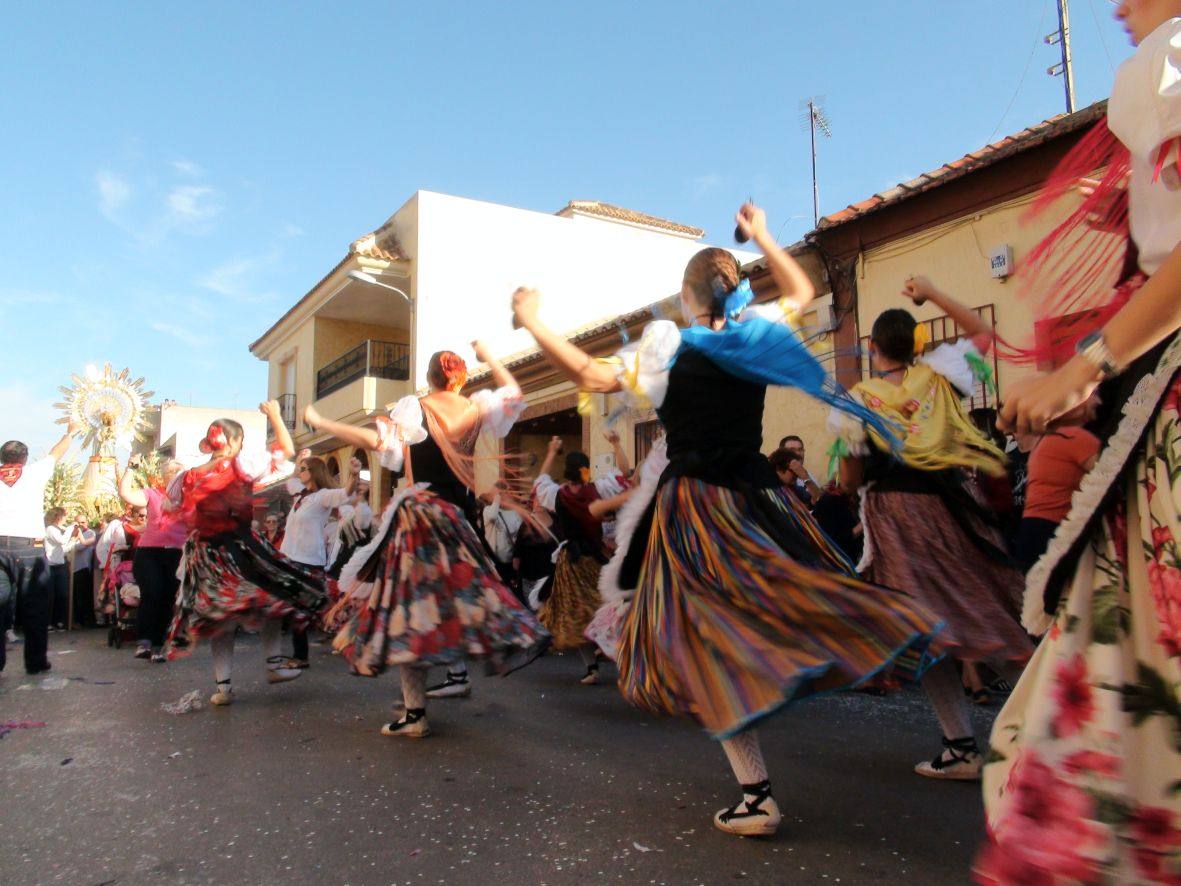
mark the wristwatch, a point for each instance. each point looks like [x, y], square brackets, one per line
[1093, 348]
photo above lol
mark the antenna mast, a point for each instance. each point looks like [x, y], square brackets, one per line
[816, 119]
[1064, 68]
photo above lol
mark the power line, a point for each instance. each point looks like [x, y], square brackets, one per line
[1036, 43]
[1102, 39]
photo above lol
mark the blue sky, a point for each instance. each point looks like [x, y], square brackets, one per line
[176, 176]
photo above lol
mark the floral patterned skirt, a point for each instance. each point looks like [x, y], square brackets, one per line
[573, 601]
[436, 597]
[1084, 777]
[239, 579]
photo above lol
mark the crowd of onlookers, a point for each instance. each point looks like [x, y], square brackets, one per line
[1027, 502]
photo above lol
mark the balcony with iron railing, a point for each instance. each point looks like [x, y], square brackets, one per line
[372, 359]
[287, 410]
[363, 380]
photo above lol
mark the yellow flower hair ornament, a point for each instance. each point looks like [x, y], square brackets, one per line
[922, 338]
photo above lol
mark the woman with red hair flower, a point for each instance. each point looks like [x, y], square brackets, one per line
[426, 590]
[231, 577]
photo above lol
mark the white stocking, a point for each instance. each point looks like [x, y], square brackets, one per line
[946, 694]
[222, 648]
[414, 688]
[272, 643]
[746, 757]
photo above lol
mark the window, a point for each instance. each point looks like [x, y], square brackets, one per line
[941, 330]
[647, 433]
[286, 396]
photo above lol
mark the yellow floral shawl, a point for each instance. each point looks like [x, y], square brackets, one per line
[937, 433]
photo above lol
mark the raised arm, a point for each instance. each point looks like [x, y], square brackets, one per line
[602, 507]
[366, 438]
[578, 366]
[274, 414]
[921, 290]
[62, 446]
[551, 452]
[621, 462]
[796, 290]
[129, 491]
[500, 375]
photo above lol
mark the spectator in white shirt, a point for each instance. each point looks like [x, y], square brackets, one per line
[61, 536]
[356, 523]
[304, 542]
[24, 570]
[501, 526]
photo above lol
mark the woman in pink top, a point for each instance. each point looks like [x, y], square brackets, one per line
[157, 555]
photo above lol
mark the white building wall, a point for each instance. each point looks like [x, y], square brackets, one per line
[469, 256]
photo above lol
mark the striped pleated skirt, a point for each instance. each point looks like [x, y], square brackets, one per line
[727, 627]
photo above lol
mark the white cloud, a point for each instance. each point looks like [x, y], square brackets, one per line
[11, 297]
[235, 278]
[188, 167]
[290, 231]
[113, 192]
[703, 184]
[181, 334]
[193, 204]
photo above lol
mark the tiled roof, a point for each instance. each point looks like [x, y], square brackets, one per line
[380, 244]
[618, 213]
[993, 153]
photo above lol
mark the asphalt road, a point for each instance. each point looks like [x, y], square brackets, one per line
[534, 779]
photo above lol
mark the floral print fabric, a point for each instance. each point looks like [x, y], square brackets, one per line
[1084, 777]
[436, 597]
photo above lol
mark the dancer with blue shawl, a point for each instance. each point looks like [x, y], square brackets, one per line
[741, 604]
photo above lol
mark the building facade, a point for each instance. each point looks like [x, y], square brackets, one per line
[351, 346]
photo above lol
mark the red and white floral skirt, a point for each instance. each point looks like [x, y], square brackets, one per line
[1084, 777]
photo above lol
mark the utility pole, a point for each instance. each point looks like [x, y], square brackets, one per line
[1064, 68]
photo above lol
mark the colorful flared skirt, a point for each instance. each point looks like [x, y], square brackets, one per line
[573, 599]
[435, 597]
[238, 579]
[1084, 777]
[914, 542]
[727, 628]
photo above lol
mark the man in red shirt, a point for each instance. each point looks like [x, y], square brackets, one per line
[1057, 464]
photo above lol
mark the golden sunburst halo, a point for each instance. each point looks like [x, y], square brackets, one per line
[110, 405]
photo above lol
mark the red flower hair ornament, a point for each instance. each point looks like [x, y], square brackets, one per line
[455, 371]
[215, 439]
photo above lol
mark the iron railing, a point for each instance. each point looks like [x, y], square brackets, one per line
[287, 410]
[376, 359]
[945, 329]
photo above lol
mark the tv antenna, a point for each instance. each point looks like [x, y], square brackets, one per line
[1064, 68]
[814, 117]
